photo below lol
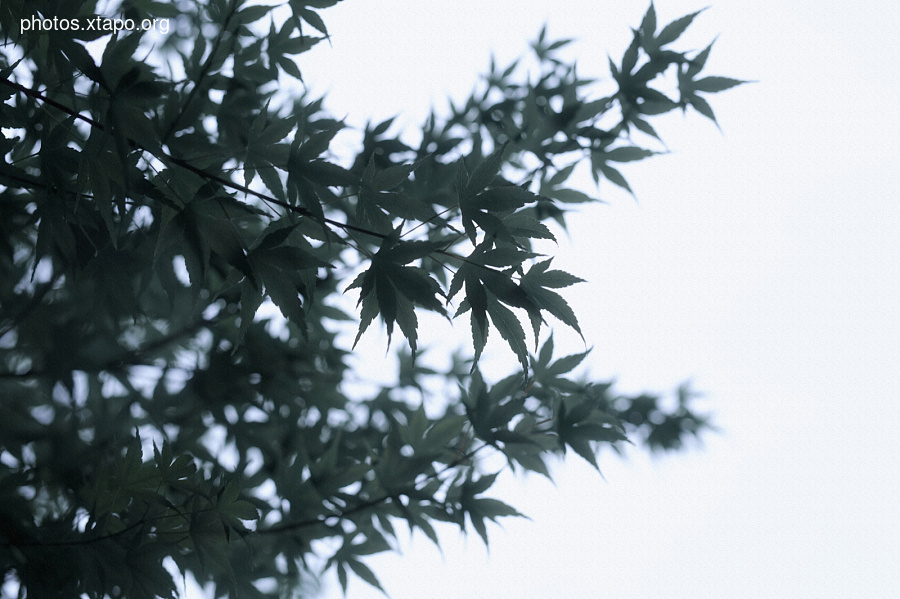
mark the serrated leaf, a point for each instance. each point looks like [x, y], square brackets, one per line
[645, 127]
[479, 319]
[329, 174]
[714, 85]
[229, 491]
[629, 59]
[613, 69]
[506, 198]
[404, 252]
[251, 300]
[485, 172]
[557, 279]
[392, 177]
[615, 176]
[703, 107]
[478, 524]
[299, 44]
[583, 448]
[560, 176]
[429, 531]
[382, 127]
[524, 225]
[313, 19]
[272, 181]
[494, 508]
[285, 295]
[386, 296]
[648, 24]
[407, 321]
[342, 577]
[363, 571]
[696, 64]
[274, 132]
[251, 14]
[504, 256]
[558, 44]
[546, 353]
[510, 329]
[627, 154]
[290, 67]
[532, 462]
[401, 205]
[275, 235]
[289, 258]
[673, 30]
[555, 304]
[571, 196]
[446, 429]
[655, 102]
[316, 144]
[566, 364]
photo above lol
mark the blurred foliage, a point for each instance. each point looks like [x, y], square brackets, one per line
[157, 192]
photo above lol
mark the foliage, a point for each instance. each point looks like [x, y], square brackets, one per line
[157, 192]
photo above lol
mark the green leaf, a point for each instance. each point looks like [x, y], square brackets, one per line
[696, 64]
[251, 14]
[313, 19]
[554, 303]
[404, 252]
[363, 571]
[510, 329]
[446, 429]
[485, 172]
[629, 59]
[645, 127]
[298, 45]
[557, 279]
[316, 144]
[392, 177]
[504, 256]
[284, 294]
[571, 196]
[559, 44]
[508, 197]
[329, 174]
[290, 67]
[494, 508]
[648, 24]
[673, 30]
[251, 300]
[560, 176]
[703, 107]
[274, 132]
[342, 577]
[614, 176]
[546, 352]
[526, 226]
[566, 364]
[714, 85]
[476, 296]
[627, 154]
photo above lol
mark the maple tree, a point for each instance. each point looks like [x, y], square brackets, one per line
[156, 193]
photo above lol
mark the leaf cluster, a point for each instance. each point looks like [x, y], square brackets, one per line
[176, 236]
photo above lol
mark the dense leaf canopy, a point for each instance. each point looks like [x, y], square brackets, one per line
[159, 190]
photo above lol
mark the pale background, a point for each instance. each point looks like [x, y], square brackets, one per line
[760, 262]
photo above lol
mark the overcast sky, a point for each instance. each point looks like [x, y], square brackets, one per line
[760, 262]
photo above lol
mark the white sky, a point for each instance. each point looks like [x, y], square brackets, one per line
[762, 263]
